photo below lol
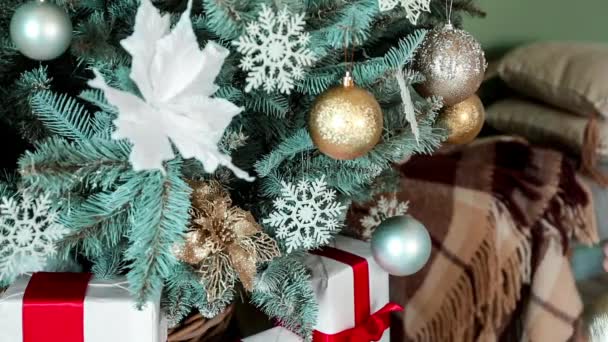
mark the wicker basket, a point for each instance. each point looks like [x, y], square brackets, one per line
[199, 329]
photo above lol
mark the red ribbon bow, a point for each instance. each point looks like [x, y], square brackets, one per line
[368, 327]
[53, 307]
[371, 330]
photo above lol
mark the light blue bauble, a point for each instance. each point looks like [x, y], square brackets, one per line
[401, 245]
[41, 30]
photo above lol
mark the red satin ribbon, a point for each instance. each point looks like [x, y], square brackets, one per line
[368, 327]
[53, 307]
[371, 330]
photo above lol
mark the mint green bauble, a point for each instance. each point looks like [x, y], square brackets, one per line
[401, 245]
[41, 30]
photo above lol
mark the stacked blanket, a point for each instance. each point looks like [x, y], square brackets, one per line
[501, 214]
[563, 99]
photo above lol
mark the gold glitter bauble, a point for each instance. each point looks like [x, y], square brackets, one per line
[345, 121]
[463, 120]
[452, 63]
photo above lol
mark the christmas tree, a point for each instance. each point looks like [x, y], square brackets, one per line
[194, 171]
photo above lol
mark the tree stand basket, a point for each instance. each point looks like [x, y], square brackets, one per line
[196, 328]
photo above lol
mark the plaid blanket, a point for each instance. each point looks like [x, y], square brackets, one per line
[501, 215]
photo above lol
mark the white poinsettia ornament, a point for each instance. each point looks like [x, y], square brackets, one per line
[176, 80]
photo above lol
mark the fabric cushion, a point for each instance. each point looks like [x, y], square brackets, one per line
[543, 124]
[572, 76]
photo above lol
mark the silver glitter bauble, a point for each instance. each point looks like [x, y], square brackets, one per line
[401, 245]
[41, 30]
[453, 64]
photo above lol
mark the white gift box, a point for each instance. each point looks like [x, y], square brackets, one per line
[334, 285]
[109, 314]
[276, 334]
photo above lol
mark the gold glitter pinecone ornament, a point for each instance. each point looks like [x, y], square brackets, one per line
[224, 242]
[452, 63]
[463, 120]
[345, 121]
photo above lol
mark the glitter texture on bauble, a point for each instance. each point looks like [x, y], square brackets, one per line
[345, 121]
[463, 120]
[452, 63]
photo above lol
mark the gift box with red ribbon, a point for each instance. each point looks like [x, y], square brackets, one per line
[73, 307]
[353, 296]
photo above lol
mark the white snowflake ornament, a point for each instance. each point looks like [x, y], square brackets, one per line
[28, 231]
[176, 80]
[275, 51]
[413, 8]
[384, 209]
[306, 214]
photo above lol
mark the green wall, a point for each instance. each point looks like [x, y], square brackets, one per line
[512, 22]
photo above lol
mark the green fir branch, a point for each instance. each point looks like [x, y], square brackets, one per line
[98, 99]
[159, 220]
[229, 93]
[275, 105]
[284, 292]
[101, 220]
[347, 24]
[227, 18]
[92, 39]
[109, 264]
[299, 142]
[102, 125]
[366, 72]
[58, 165]
[182, 293]
[62, 115]
[18, 112]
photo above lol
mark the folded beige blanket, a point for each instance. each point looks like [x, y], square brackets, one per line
[583, 136]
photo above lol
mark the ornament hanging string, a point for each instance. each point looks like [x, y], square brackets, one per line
[448, 10]
[345, 122]
[348, 49]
